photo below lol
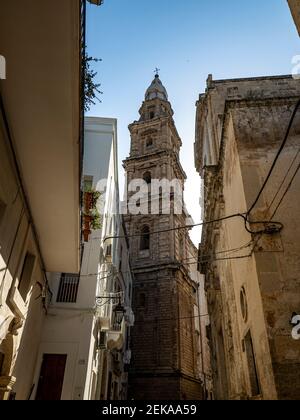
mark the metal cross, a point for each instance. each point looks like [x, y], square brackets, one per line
[156, 71]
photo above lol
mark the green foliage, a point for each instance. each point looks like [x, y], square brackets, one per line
[91, 88]
[97, 221]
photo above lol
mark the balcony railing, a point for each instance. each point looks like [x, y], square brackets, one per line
[68, 288]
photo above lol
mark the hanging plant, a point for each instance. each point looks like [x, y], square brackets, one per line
[92, 219]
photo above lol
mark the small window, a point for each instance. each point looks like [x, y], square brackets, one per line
[109, 250]
[120, 261]
[253, 376]
[142, 300]
[2, 210]
[149, 142]
[68, 288]
[145, 238]
[244, 305]
[151, 111]
[26, 275]
[147, 177]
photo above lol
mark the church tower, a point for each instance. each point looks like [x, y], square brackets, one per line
[165, 346]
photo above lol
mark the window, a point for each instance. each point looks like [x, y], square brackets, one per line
[254, 381]
[2, 210]
[142, 300]
[120, 261]
[149, 142]
[244, 305]
[151, 111]
[147, 177]
[68, 288]
[145, 238]
[129, 291]
[26, 275]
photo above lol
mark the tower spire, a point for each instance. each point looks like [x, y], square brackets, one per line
[156, 89]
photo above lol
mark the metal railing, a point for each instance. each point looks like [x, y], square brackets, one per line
[68, 288]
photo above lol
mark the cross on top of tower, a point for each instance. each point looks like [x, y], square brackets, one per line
[156, 71]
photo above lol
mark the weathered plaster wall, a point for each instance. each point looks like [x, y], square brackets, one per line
[248, 119]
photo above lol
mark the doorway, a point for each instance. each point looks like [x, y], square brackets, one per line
[51, 377]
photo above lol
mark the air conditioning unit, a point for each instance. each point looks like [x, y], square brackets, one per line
[102, 340]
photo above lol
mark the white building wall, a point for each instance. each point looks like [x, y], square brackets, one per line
[69, 328]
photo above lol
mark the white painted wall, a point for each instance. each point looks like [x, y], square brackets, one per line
[69, 328]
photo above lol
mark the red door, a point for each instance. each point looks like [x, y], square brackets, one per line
[51, 377]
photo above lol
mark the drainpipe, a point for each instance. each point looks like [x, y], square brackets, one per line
[201, 336]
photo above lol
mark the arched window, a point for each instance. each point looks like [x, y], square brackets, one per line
[149, 142]
[145, 238]
[151, 111]
[147, 177]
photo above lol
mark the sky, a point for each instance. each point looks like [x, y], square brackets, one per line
[186, 40]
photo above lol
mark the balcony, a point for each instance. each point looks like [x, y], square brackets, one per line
[41, 96]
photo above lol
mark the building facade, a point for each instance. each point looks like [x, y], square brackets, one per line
[250, 247]
[165, 344]
[82, 344]
[295, 9]
[40, 170]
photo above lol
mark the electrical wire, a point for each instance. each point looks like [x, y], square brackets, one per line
[187, 227]
[286, 191]
[187, 261]
[283, 181]
[145, 321]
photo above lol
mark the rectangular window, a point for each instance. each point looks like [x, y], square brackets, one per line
[26, 275]
[254, 381]
[68, 288]
[2, 210]
[120, 260]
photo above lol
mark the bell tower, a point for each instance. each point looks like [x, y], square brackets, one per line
[164, 342]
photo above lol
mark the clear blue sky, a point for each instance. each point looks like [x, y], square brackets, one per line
[187, 40]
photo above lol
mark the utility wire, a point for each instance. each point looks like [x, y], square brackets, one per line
[145, 321]
[283, 181]
[286, 191]
[187, 261]
[232, 216]
[244, 216]
[276, 158]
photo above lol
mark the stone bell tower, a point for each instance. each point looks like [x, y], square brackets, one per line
[164, 342]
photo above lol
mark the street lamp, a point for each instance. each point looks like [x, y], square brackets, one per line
[119, 310]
